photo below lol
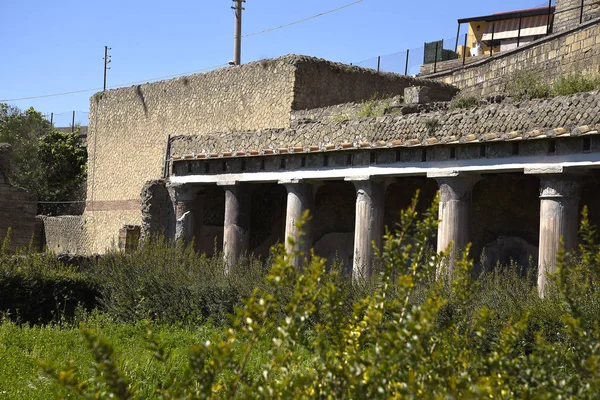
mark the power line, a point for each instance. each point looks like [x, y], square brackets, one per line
[115, 86]
[302, 20]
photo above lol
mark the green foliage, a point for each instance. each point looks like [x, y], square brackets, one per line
[37, 288]
[526, 85]
[311, 333]
[463, 102]
[432, 124]
[23, 130]
[64, 172]
[165, 282]
[574, 83]
[44, 161]
[375, 107]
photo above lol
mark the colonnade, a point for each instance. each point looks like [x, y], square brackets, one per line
[559, 202]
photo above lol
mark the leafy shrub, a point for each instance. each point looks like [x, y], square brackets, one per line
[463, 102]
[526, 85]
[166, 282]
[375, 107]
[37, 288]
[574, 83]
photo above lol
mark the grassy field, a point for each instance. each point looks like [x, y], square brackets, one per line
[22, 346]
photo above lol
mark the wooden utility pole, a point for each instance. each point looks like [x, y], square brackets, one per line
[107, 60]
[237, 45]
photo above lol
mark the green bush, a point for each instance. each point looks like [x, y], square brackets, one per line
[463, 102]
[527, 85]
[37, 288]
[574, 83]
[166, 282]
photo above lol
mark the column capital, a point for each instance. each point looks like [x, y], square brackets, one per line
[559, 186]
[454, 186]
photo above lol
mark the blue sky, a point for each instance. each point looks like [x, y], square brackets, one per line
[57, 46]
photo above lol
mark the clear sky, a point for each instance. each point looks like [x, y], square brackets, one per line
[55, 46]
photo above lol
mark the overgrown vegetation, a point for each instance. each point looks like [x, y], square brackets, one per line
[375, 107]
[527, 85]
[302, 334]
[44, 161]
[463, 102]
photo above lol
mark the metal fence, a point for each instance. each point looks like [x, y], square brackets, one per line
[68, 119]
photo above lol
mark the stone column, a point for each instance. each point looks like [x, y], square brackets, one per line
[454, 209]
[299, 200]
[559, 208]
[368, 228]
[236, 229]
[184, 198]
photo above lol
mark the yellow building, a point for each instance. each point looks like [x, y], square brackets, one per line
[505, 30]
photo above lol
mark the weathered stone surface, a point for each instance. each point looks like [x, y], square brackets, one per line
[157, 210]
[492, 122]
[129, 127]
[17, 207]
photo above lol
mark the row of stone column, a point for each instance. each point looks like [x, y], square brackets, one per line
[559, 211]
[559, 197]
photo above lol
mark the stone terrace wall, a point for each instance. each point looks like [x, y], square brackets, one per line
[563, 53]
[568, 13]
[495, 121]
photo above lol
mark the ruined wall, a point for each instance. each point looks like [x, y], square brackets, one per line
[66, 234]
[562, 53]
[129, 127]
[17, 211]
[321, 83]
[17, 208]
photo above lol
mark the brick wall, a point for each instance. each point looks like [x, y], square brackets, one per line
[17, 208]
[562, 53]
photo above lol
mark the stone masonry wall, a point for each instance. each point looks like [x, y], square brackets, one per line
[562, 53]
[490, 122]
[17, 208]
[568, 13]
[66, 234]
[321, 83]
[129, 127]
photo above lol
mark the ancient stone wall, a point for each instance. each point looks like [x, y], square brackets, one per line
[562, 53]
[488, 122]
[66, 234]
[17, 208]
[129, 127]
[321, 83]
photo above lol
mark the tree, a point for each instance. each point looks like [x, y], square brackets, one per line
[44, 161]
